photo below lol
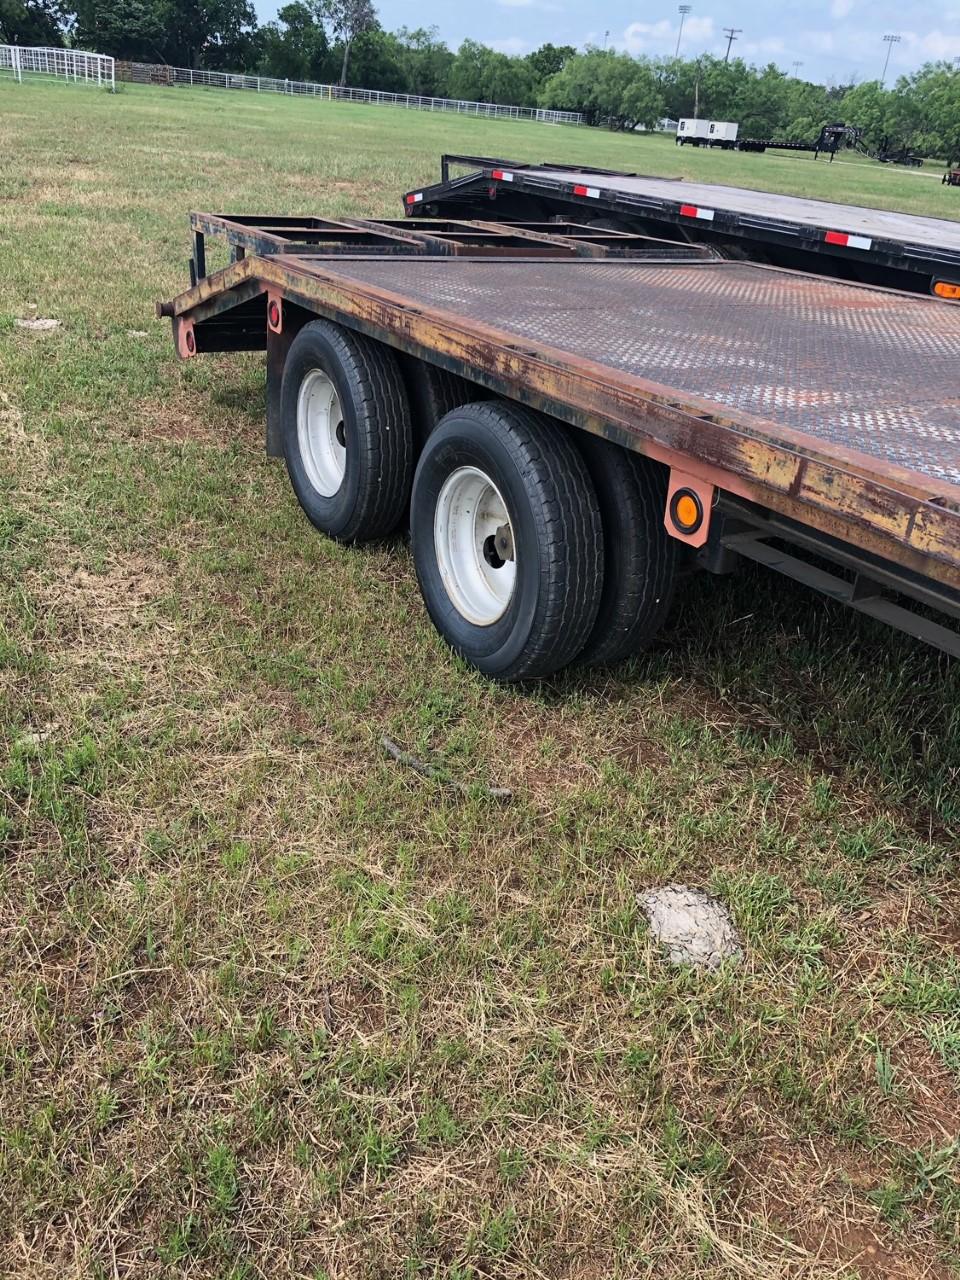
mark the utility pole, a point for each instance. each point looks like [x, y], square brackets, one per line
[796, 68]
[683, 10]
[889, 41]
[731, 33]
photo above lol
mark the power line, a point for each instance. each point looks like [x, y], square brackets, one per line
[731, 33]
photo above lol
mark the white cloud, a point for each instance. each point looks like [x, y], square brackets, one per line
[841, 8]
[647, 37]
[512, 45]
[771, 47]
[935, 44]
[545, 5]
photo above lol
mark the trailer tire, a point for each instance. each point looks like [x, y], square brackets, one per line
[432, 393]
[540, 510]
[640, 557]
[347, 438]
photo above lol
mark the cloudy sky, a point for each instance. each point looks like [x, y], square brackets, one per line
[835, 40]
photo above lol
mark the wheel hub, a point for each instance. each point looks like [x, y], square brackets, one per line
[321, 435]
[473, 539]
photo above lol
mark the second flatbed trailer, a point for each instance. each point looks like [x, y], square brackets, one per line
[570, 418]
[851, 242]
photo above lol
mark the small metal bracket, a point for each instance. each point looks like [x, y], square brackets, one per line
[185, 338]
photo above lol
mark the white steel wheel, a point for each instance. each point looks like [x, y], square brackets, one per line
[320, 433]
[473, 542]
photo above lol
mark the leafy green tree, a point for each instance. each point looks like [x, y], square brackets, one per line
[641, 103]
[506, 81]
[576, 86]
[761, 104]
[548, 60]
[867, 106]
[123, 28]
[295, 47]
[205, 32]
[426, 61]
[480, 74]
[349, 19]
[465, 78]
[377, 62]
[36, 22]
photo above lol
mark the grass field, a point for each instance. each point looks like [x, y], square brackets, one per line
[275, 1006]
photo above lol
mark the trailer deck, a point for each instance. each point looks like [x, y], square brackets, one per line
[919, 248]
[832, 404]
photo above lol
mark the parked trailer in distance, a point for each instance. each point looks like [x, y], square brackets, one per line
[571, 417]
[707, 133]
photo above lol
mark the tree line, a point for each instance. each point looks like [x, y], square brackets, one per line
[342, 41]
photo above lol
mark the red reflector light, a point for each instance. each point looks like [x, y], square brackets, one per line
[191, 341]
[274, 314]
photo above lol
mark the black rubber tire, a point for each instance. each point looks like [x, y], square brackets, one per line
[432, 393]
[640, 557]
[557, 533]
[372, 498]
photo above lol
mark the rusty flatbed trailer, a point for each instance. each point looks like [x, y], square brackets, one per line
[873, 246]
[686, 408]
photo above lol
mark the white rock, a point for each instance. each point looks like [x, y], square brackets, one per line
[38, 325]
[694, 928]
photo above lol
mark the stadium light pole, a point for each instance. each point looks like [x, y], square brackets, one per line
[889, 41]
[683, 10]
[731, 33]
[796, 68]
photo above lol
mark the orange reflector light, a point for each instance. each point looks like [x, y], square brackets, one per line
[947, 289]
[686, 511]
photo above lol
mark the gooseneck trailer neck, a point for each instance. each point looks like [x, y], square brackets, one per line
[573, 391]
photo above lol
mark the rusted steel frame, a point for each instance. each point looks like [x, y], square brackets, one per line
[781, 469]
[236, 233]
[219, 286]
[257, 238]
[593, 243]
[436, 243]
[580, 248]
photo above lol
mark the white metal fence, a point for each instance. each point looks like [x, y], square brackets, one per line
[145, 73]
[57, 64]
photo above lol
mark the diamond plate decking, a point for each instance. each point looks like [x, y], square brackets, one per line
[866, 369]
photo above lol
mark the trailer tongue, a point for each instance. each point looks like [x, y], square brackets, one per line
[584, 421]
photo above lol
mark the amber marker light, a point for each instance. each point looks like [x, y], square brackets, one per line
[686, 511]
[947, 289]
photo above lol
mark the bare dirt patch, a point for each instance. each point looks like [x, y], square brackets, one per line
[815, 1192]
[105, 619]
